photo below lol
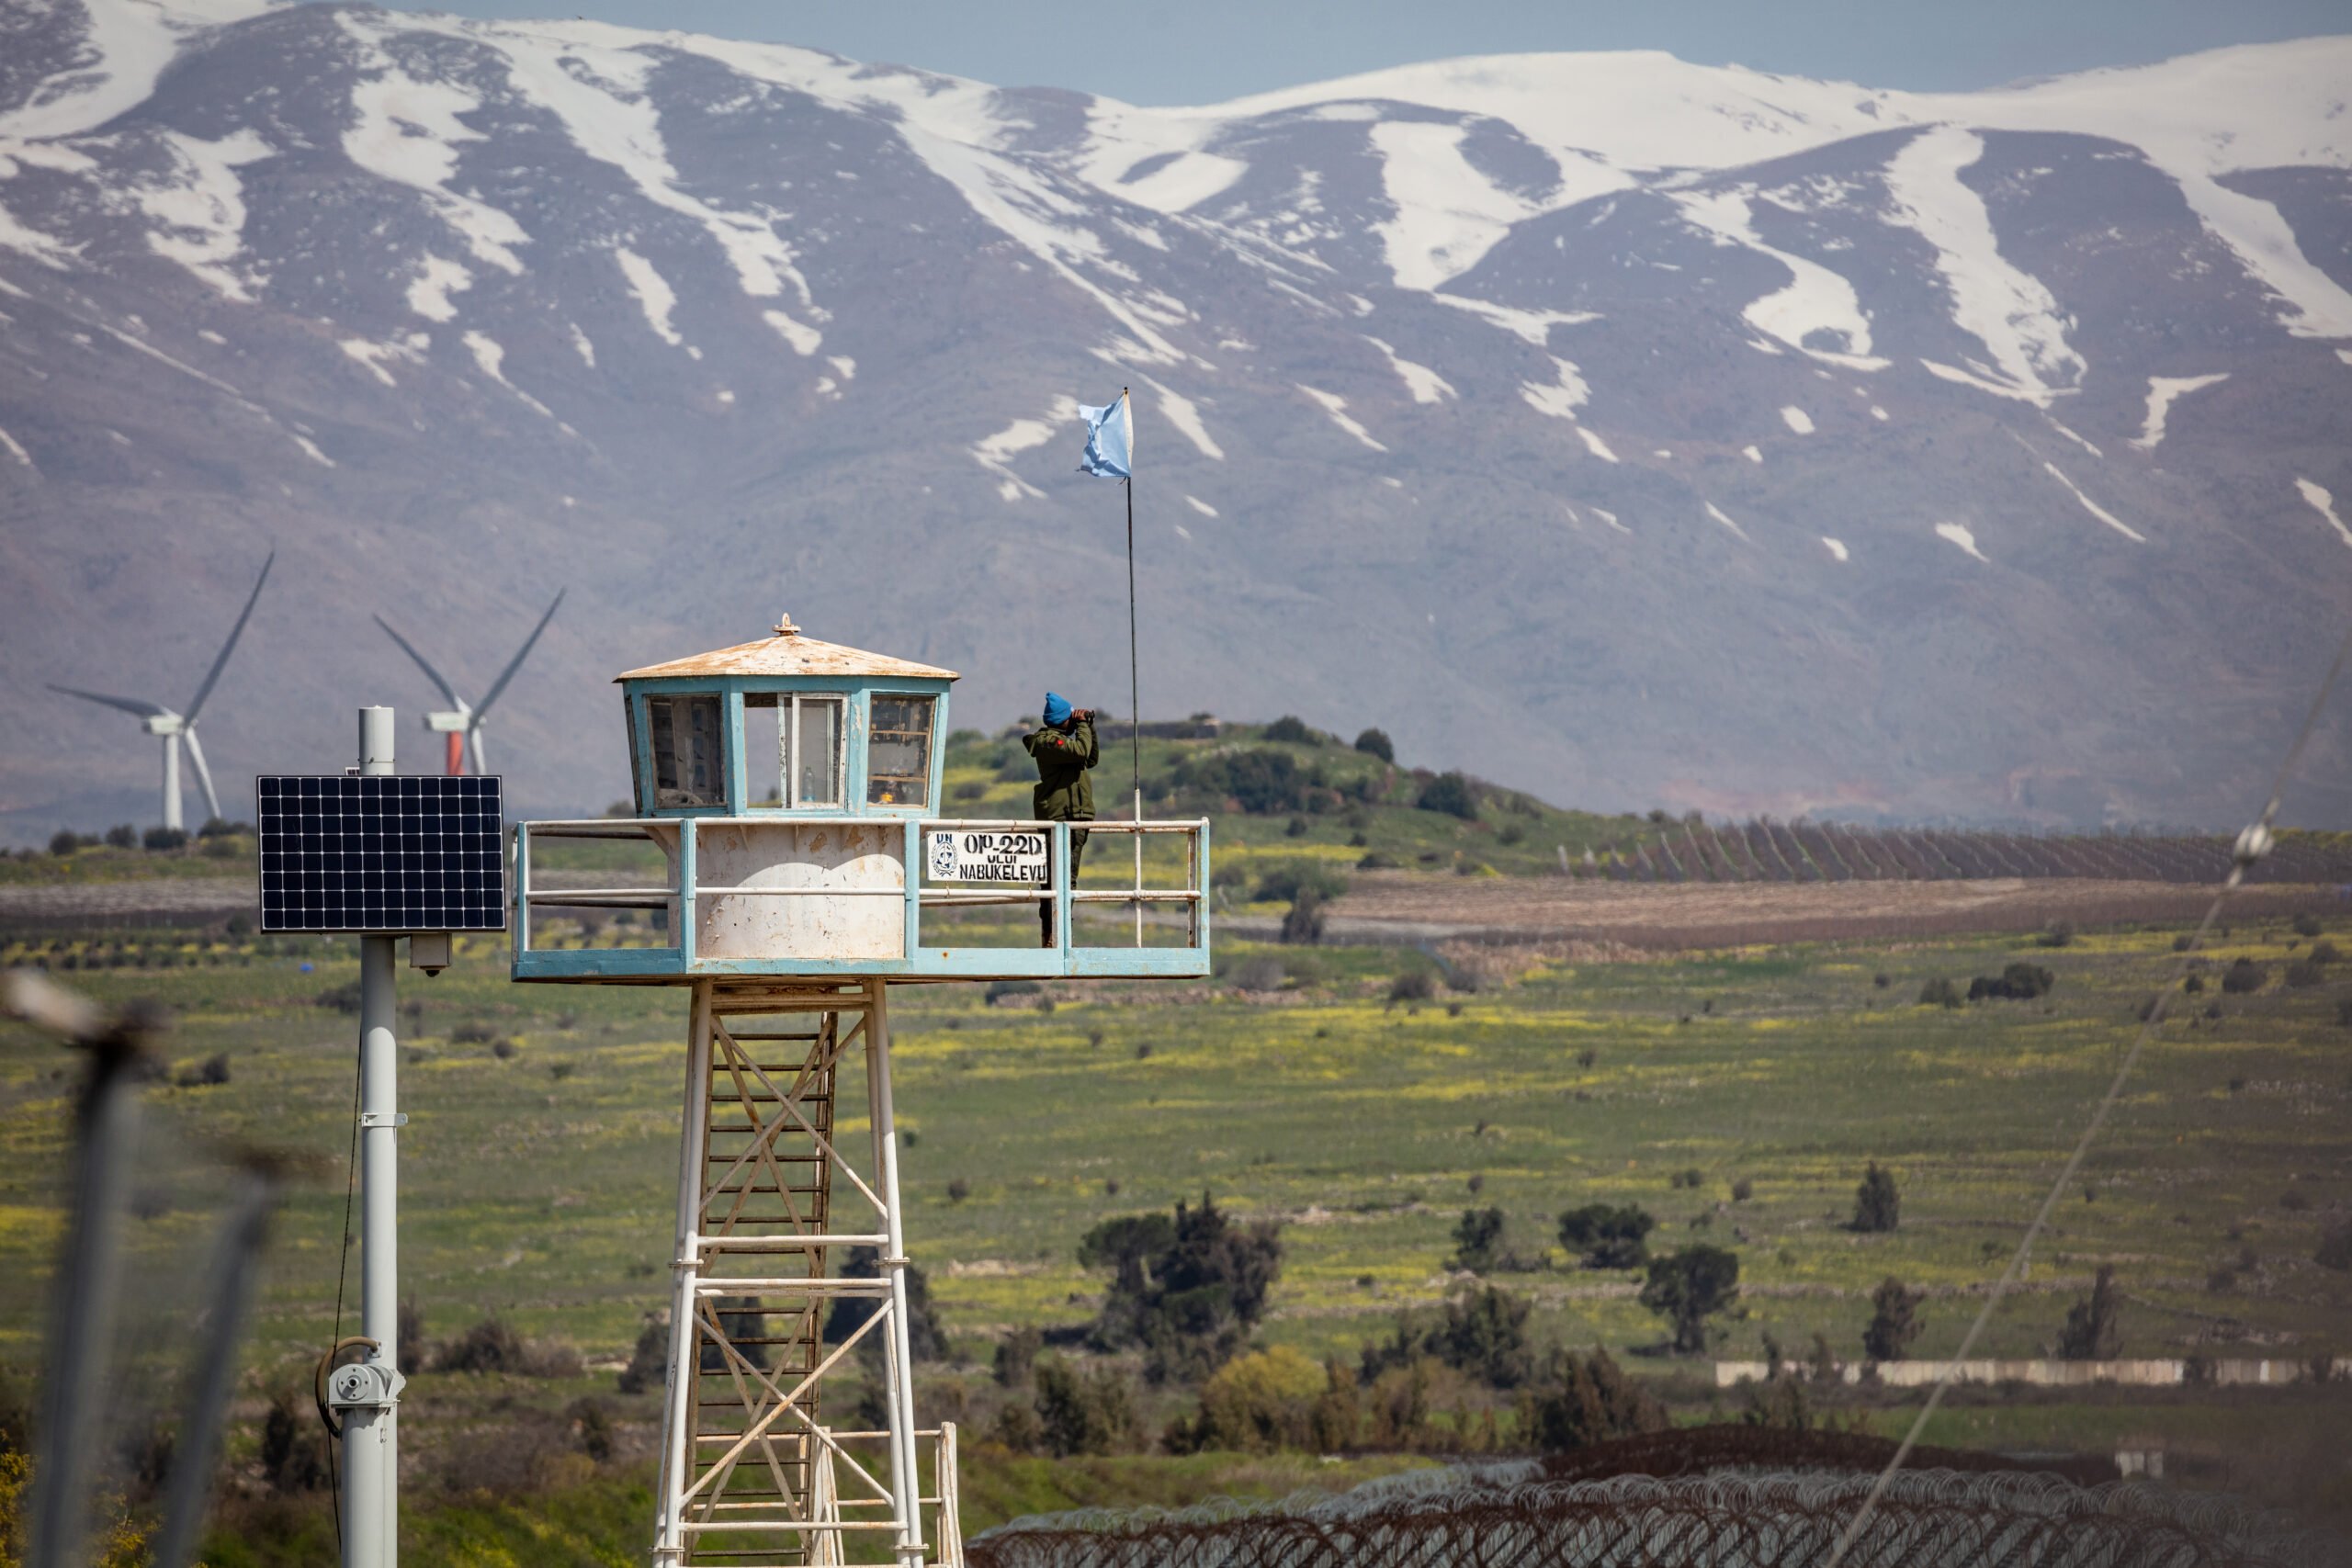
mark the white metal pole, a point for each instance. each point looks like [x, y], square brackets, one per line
[685, 1268]
[905, 1490]
[173, 819]
[371, 1436]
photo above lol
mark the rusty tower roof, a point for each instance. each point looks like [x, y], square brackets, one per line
[783, 652]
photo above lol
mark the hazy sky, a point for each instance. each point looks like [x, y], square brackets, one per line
[1204, 51]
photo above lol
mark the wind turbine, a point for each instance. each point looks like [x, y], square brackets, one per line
[462, 722]
[178, 728]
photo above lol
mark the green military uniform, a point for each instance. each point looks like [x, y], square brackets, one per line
[1064, 793]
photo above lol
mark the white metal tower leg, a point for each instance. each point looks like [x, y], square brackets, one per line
[173, 819]
[677, 1387]
[905, 1484]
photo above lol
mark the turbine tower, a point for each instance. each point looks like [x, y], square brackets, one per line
[180, 729]
[462, 722]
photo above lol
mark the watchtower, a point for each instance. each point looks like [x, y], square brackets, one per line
[797, 861]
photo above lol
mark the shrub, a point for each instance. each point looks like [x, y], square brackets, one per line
[1376, 861]
[1412, 985]
[1452, 794]
[1016, 1357]
[64, 841]
[1264, 1399]
[471, 1032]
[1877, 1205]
[1303, 921]
[649, 1359]
[1290, 729]
[2335, 1246]
[1290, 880]
[2322, 951]
[970, 789]
[1895, 1321]
[503, 1048]
[207, 1074]
[2307, 925]
[339, 999]
[1481, 1332]
[293, 1450]
[958, 1189]
[1083, 1413]
[1940, 992]
[1602, 1237]
[1264, 973]
[163, 839]
[1265, 782]
[2059, 935]
[2303, 973]
[1741, 1190]
[1686, 1287]
[1375, 743]
[999, 989]
[488, 1345]
[1578, 1401]
[2243, 978]
[2019, 982]
[2092, 1333]
[926, 1339]
[122, 836]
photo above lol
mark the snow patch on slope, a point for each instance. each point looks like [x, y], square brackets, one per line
[202, 212]
[2163, 393]
[1563, 397]
[1336, 407]
[1816, 299]
[491, 356]
[2093, 507]
[1186, 417]
[1718, 513]
[1597, 446]
[1446, 215]
[1202, 507]
[995, 453]
[1961, 535]
[2323, 503]
[429, 291]
[408, 132]
[16, 449]
[654, 296]
[1796, 419]
[1535, 326]
[2009, 312]
[1425, 384]
[1837, 547]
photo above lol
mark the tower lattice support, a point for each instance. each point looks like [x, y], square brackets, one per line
[781, 1232]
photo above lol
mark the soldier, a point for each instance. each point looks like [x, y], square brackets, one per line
[1064, 749]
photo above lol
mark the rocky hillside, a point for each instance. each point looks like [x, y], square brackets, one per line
[1633, 432]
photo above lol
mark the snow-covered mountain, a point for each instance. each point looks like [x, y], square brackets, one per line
[1634, 431]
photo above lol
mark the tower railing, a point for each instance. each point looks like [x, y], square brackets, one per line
[783, 874]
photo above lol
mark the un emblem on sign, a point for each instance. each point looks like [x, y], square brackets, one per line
[943, 857]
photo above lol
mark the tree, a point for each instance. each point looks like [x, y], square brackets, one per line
[1290, 727]
[926, 1340]
[1579, 1400]
[1264, 1399]
[2092, 1333]
[1607, 1237]
[1893, 1320]
[1686, 1287]
[1375, 743]
[1940, 992]
[1084, 1413]
[1877, 1205]
[122, 836]
[1477, 1240]
[1452, 794]
[1303, 921]
[2019, 982]
[1185, 1289]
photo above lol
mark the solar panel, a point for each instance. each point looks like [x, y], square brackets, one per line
[382, 852]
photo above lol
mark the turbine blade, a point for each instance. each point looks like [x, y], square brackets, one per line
[516, 664]
[203, 773]
[435, 675]
[220, 661]
[473, 739]
[128, 704]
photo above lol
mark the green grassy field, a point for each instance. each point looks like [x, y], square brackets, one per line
[539, 1187]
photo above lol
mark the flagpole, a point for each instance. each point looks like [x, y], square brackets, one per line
[1134, 680]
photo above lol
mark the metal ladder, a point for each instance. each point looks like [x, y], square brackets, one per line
[751, 1477]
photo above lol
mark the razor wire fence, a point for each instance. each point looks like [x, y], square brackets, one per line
[1519, 1517]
